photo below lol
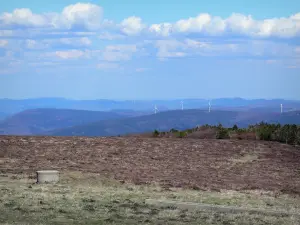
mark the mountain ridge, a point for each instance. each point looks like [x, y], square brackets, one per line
[165, 121]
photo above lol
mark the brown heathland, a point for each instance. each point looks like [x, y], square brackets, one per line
[190, 163]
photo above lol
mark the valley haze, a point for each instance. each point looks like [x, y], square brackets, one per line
[65, 117]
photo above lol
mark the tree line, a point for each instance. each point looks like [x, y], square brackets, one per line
[288, 133]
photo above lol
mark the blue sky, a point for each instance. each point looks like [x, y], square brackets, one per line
[149, 50]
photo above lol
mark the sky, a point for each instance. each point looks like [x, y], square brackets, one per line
[133, 49]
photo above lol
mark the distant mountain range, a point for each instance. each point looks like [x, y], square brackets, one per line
[175, 119]
[3, 115]
[38, 121]
[10, 106]
[127, 117]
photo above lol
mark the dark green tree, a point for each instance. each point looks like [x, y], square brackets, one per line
[155, 133]
[235, 127]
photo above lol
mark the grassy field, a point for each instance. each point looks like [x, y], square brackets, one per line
[87, 198]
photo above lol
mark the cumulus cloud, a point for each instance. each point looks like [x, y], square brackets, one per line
[235, 24]
[80, 15]
[83, 15]
[23, 17]
[68, 34]
[132, 25]
[70, 54]
[163, 29]
[87, 16]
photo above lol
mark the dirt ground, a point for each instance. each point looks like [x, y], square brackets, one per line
[189, 163]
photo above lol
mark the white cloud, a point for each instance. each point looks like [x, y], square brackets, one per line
[84, 15]
[132, 25]
[71, 54]
[3, 43]
[110, 36]
[119, 52]
[235, 24]
[230, 48]
[23, 17]
[87, 16]
[175, 48]
[193, 24]
[169, 48]
[30, 43]
[37, 45]
[80, 15]
[163, 29]
[84, 41]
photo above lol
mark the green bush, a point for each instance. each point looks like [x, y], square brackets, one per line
[182, 134]
[235, 127]
[189, 131]
[173, 130]
[155, 133]
[266, 131]
[222, 133]
[298, 136]
[289, 134]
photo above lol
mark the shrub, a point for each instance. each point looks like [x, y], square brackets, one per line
[155, 133]
[181, 134]
[222, 133]
[173, 130]
[298, 136]
[235, 127]
[190, 131]
[265, 131]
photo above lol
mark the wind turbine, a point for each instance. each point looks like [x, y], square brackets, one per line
[155, 109]
[281, 108]
[209, 106]
[181, 105]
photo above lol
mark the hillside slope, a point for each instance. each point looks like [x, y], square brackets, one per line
[285, 118]
[41, 120]
[161, 121]
[189, 163]
[174, 119]
[3, 116]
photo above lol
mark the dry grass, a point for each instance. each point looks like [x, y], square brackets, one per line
[92, 199]
[121, 173]
[189, 163]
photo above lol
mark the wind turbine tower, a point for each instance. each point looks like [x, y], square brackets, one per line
[209, 106]
[155, 109]
[181, 105]
[281, 108]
